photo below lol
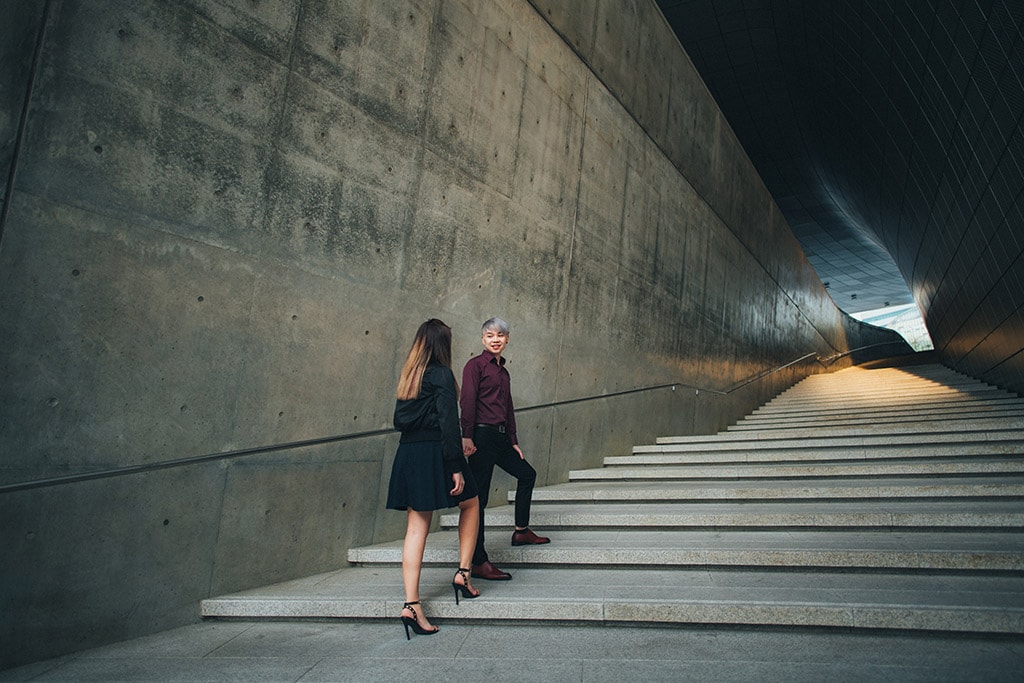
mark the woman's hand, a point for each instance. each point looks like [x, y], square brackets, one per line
[460, 483]
[468, 447]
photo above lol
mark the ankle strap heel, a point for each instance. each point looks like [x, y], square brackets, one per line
[464, 587]
[414, 622]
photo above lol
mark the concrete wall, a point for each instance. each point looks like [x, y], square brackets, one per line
[228, 219]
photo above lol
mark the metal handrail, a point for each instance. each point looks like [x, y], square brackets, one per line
[257, 450]
[762, 375]
[828, 360]
[191, 460]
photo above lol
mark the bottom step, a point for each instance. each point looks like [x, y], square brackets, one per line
[979, 604]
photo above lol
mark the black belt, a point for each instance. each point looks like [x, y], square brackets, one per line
[498, 428]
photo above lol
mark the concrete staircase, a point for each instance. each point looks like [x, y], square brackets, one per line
[885, 498]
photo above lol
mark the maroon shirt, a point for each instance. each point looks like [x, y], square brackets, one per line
[487, 396]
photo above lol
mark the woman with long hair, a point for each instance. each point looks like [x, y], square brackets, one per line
[429, 472]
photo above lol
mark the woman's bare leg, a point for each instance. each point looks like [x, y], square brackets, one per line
[469, 521]
[416, 530]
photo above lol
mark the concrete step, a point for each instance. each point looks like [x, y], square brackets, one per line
[881, 418]
[838, 390]
[1011, 440]
[892, 550]
[873, 426]
[951, 425]
[897, 418]
[857, 377]
[938, 515]
[982, 431]
[782, 407]
[766, 454]
[831, 387]
[885, 392]
[879, 396]
[872, 599]
[856, 468]
[780, 490]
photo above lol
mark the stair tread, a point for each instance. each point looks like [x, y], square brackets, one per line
[818, 440]
[369, 583]
[918, 456]
[596, 491]
[784, 470]
[865, 599]
[882, 514]
[947, 551]
[979, 408]
[961, 429]
[660, 508]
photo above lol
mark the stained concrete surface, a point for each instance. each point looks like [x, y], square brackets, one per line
[226, 220]
[351, 652]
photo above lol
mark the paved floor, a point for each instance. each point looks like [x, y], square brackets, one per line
[377, 651]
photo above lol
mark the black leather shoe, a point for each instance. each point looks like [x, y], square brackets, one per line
[490, 572]
[527, 537]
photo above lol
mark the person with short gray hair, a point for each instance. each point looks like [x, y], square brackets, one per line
[489, 438]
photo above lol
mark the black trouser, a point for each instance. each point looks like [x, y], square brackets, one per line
[494, 448]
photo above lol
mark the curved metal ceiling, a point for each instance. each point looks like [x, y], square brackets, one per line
[882, 128]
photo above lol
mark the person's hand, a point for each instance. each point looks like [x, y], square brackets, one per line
[460, 483]
[519, 451]
[468, 447]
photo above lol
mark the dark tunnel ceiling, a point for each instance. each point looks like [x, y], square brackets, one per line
[827, 98]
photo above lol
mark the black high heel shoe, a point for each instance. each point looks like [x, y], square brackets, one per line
[464, 586]
[417, 629]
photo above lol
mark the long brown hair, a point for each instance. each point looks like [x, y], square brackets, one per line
[433, 341]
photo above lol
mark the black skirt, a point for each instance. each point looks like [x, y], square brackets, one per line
[418, 480]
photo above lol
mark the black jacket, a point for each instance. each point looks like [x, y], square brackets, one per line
[434, 416]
